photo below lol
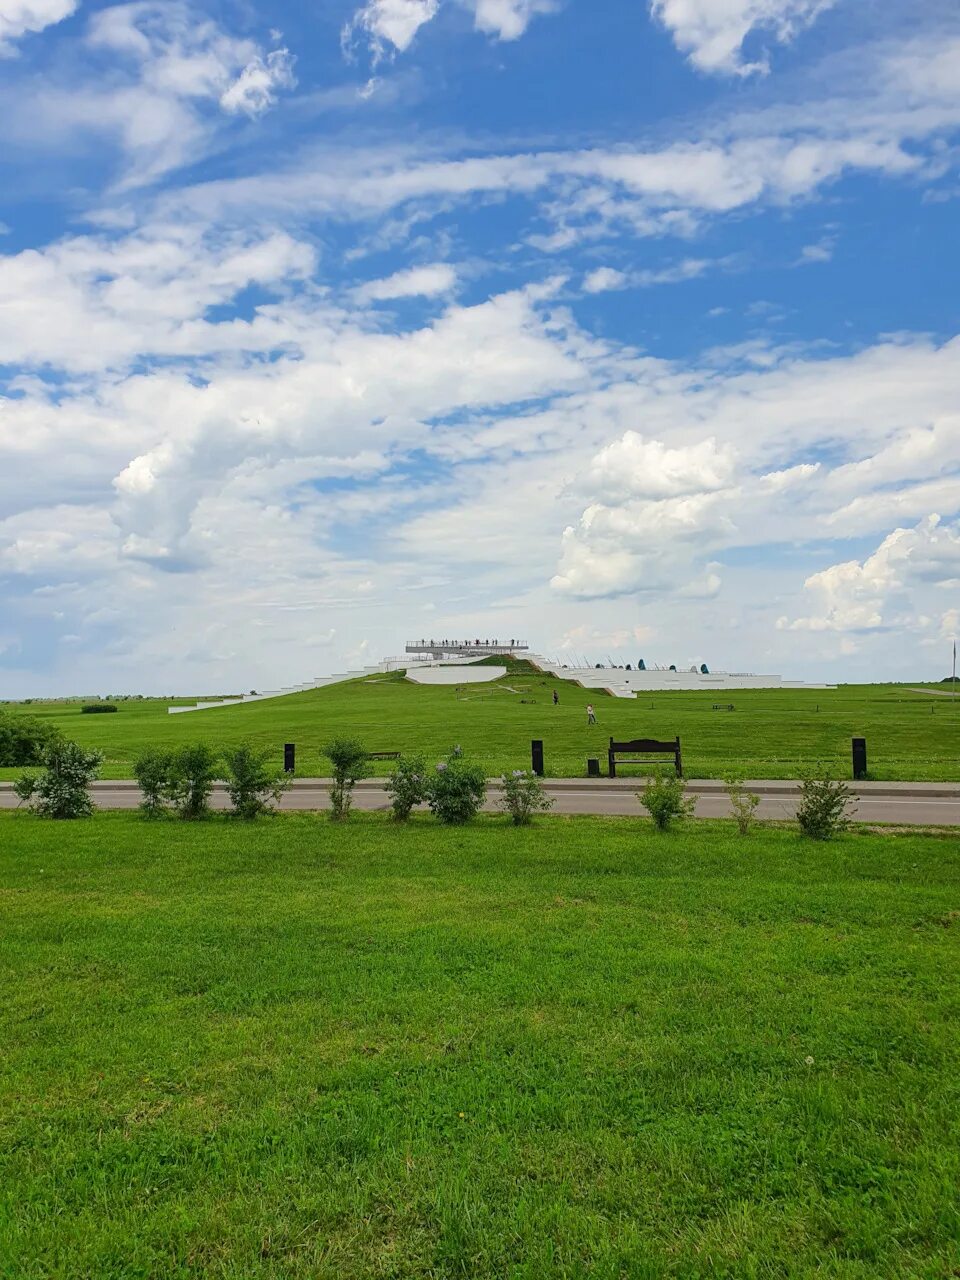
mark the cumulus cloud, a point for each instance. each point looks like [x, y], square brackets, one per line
[712, 32]
[23, 17]
[855, 596]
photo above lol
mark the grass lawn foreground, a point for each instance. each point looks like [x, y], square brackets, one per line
[293, 1050]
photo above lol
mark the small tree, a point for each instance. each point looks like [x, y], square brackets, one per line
[61, 790]
[193, 771]
[455, 790]
[663, 798]
[406, 786]
[349, 759]
[152, 770]
[523, 796]
[24, 740]
[743, 803]
[252, 787]
[825, 807]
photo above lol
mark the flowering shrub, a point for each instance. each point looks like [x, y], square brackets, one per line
[455, 790]
[523, 796]
[406, 786]
[60, 791]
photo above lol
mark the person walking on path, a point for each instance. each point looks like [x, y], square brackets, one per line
[591, 714]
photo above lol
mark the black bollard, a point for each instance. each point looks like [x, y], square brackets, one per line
[536, 752]
[289, 757]
[593, 768]
[859, 758]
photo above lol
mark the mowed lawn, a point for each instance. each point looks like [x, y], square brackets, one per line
[582, 1050]
[769, 734]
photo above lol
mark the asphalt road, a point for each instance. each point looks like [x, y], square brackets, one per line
[900, 803]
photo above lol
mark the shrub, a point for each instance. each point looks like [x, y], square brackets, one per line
[455, 790]
[349, 759]
[252, 787]
[25, 739]
[663, 798]
[97, 709]
[406, 786]
[193, 771]
[61, 790]
[152, 770]
[523, 796]
[743, 803]
[824, 810]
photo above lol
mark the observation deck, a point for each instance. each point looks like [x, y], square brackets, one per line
[477, 648]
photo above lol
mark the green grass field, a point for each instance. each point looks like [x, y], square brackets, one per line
[770, 734]
[294, 1050]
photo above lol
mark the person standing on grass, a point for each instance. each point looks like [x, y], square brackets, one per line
[591, 714]
[556, 698]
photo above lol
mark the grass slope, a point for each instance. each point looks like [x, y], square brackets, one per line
[772, 733]
[295, 1051]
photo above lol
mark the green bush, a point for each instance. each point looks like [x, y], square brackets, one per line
[97, 709]
[61, 790]
[455, 790]
[252, 787]
[25, 739]
[406, 786]
[152, 770]
[743, 803]
[523, 796]
[349, 759]
[663, 798]
[825, 807]
[193, 771]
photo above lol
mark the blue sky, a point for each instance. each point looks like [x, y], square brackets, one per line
[629, 327]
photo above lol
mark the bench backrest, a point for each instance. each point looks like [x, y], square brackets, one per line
[644, 747]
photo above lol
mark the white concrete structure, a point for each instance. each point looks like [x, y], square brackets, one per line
[380, 668]
[630, 684]
[451, 673]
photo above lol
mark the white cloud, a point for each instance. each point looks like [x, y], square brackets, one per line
[255, 88]
[855, 596]
[426, 281]
[712, 32]
[23, 17]
[508, 19]
[390, 26]
[392, 23]
[604, 279]
[174, 78]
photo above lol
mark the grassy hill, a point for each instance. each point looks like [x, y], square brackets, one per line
[771, 733]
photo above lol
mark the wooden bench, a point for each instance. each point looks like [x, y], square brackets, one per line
[383, 755]
[644, 747]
